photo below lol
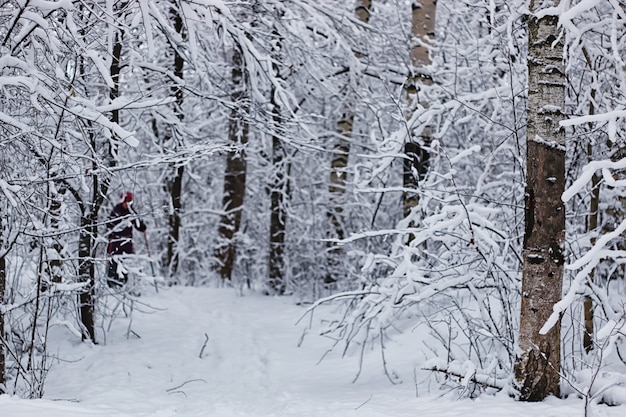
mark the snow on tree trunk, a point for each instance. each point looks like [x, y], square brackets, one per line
[174, 183]
[592, 225]
[100, 185]
[538, 364]
[339, 163]
[416, 156]
[54, 259]
[278, 215]
[3, 280]
[235, 172]
[588, 305]
[279, 193]
[86, 272]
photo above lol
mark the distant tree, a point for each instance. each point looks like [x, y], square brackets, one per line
[173, 139]
[538, 365]
[454, 257]
[279, 184]
[106, 157]
[341, 151]
[234, 187]
[290, 66]
[63, 122]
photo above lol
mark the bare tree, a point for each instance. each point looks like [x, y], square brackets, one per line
[447, 271]
[538, 365]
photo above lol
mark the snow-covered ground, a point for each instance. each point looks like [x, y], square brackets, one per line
[211, 352]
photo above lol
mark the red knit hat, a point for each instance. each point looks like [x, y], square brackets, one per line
[126, 197]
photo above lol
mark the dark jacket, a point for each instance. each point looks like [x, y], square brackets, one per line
[120, 226]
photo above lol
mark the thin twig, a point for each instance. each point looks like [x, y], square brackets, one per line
[382, 352]
[206, 340]
[174, 389]
[365, 402]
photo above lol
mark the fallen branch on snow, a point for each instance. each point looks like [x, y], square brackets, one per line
[480, 379]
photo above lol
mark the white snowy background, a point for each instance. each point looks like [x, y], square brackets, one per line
[217, 352]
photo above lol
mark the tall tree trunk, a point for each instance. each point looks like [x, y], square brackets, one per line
[415, 164]
[87, 243]
[174, 184]
[538, 366]
[592, 226]
[86, 246]
[90, 210]
[3, 280]
[86, 274]
[235, 172]
[51, 266]
[175, 188]
[54, 260]
[339, 164]
[341, 149]
[278, 220]
[278, 216]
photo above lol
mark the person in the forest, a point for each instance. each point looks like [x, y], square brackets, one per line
[121, 222]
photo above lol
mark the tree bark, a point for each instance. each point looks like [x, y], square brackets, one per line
[235, 173]
[538, 365]
[86, 274]
[278, 216]
[339, 164]
[87, 242]
[588, 301]
[54, 263]
[588, 312]
[278, 220]
[415, 165]
[341, 149]
[91, 209]
[3, 280]
[174, 184]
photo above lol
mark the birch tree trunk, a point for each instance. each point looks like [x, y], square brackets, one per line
[341, 149]
[54, 262]
[538, 365]
[235, 172]
[423, 14]
[339, 163]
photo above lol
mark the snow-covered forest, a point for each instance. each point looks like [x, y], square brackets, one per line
[453, 168]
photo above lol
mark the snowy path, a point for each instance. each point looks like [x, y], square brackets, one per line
[251, 366]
